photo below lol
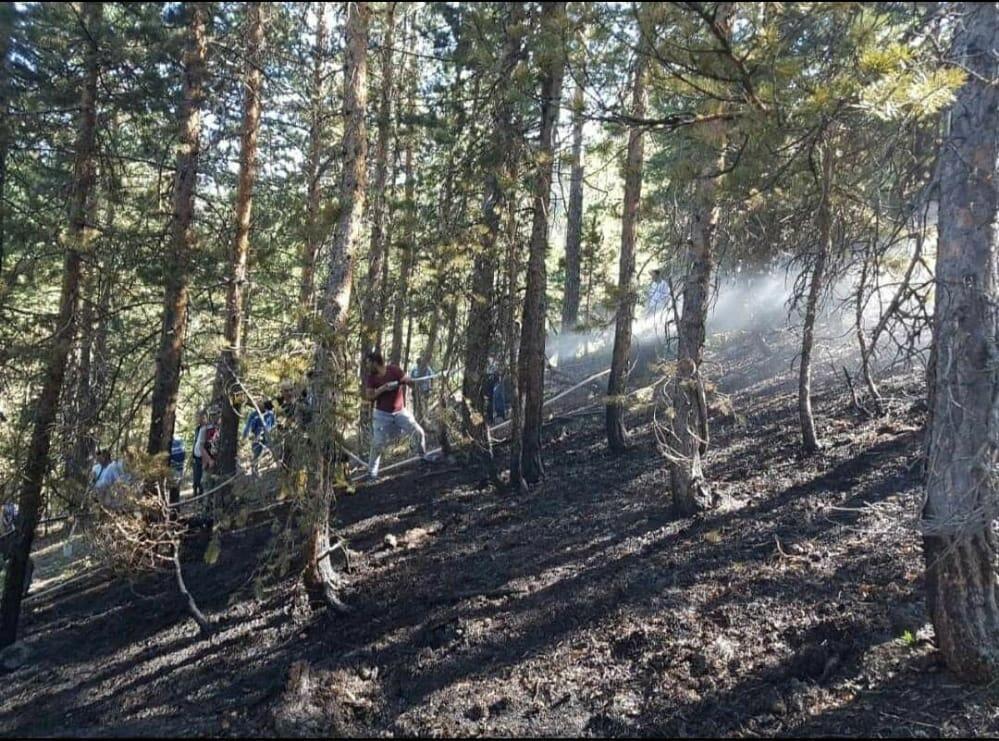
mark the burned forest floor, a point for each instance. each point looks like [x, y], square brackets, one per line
[582, 608]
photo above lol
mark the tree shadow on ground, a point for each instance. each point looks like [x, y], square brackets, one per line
[587, 572]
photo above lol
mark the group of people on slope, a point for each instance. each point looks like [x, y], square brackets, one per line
[385, 386]
[258, 426]
[108, 476]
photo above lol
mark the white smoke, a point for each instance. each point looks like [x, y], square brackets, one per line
[744, 302]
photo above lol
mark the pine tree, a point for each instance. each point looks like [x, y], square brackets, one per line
[181, 236]
[45, 406]
[959, 516]
[230, 363]
[532, 358]
[330, 353]
[617, 434]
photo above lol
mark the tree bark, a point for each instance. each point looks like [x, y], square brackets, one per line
[481, 312]
[385, 294]
[451, 208]
[617, 434]
[7, 13]
[400, 310]
[574, 222]
[330, 360]
[513, 267]
[690, 490]
[182, 237]
[373, 288]
[433, 332]
[232, 353]
[866, 350]
[960, 512]
[809, 438]
[46, 405]
[690, 416]
[310, 247]
[93, 335]
[532, 337]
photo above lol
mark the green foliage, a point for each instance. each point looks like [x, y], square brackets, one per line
[790, 80]
[917, 94]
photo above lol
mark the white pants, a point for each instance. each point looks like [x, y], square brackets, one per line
[388, 426]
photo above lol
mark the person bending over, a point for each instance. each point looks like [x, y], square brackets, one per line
[385, 385]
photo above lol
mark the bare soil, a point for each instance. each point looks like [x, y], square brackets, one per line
[584, 608]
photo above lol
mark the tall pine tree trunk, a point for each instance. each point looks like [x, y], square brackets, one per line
[92, 384]
[482, 309]
[385, 293]
[331, 366]
[95, 328]
[960, 513]
[809, 438]
[690, 423]
[617, 434]
[7, 13]
[690, 413]
[401, 308]
[532, 337]
[433, 332]
[409, 340]
[45, 407]
[512, 341]
[310, 247]
[232, 353]
[373, 288]
[866, 349]
[452, 208]
[574, 219]
[85, 403]
[181, 237]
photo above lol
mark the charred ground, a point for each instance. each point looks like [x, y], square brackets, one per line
[584, 608]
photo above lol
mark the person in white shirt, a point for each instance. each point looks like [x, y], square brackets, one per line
[658, 294]
[109, 481]
[200, 455]
[107, 471]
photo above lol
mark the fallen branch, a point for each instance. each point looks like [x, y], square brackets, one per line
[79, 577]
[192, 607]
[214, 489]
[340, 545]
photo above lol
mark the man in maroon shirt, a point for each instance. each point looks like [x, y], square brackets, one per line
[385, 385]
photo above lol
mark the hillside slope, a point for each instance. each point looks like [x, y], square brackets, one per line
[794, 608]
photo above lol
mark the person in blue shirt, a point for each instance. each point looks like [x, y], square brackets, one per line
[259, 425]
[177, 456]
